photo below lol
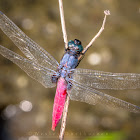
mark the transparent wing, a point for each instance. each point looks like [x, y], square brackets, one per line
[31, 49]
[37, 72]
[91, 96]
[107, 80]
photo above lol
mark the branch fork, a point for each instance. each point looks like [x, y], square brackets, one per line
[65, 111]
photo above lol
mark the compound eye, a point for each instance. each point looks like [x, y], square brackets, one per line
[77, 42]
[71, 44]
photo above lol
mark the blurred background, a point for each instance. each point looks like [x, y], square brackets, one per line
[26, 106]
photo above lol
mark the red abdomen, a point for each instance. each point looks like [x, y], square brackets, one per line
[59, 102]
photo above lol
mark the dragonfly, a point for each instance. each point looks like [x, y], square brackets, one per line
[79, 84]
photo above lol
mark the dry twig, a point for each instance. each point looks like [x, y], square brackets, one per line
[63, 23]
[106, 12]
[63, 124]
[65, 111]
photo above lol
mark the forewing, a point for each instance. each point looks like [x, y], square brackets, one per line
[91, 96]
[37, 72]
[31, 49]
[107, 80]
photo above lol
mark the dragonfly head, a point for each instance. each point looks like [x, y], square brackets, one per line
[75, 45]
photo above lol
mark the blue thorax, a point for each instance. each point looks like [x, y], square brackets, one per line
[70, 59]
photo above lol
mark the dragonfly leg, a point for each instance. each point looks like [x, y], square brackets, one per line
[69, 85]
[54, 78]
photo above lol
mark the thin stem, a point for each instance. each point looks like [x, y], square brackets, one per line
[106, 12]
[63, 124]
[63, 23]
